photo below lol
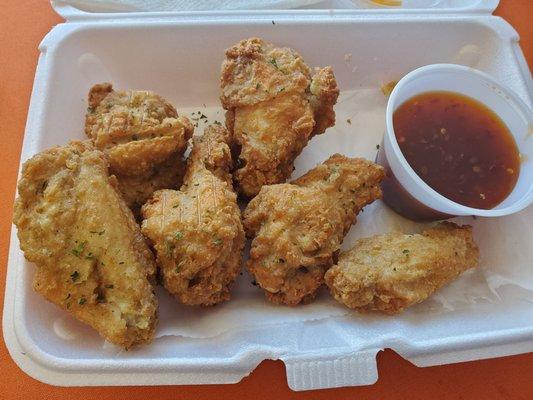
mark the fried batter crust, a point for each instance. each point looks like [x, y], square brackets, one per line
[143, 137]
[197, 231]
[298, 228]
[390, 272]
[138, 190]
[274, 108]
[91, 257]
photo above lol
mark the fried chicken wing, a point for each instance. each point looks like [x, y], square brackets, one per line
[197, 231]
[91, 257]
[298, 228]
[143, 137]
[274, 108]
[137, 190]
[390, 272]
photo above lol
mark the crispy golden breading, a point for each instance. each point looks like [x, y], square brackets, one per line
[197, 231]
[274, 109]
[136, 129]
[393, 271]
[324, 94]
[142, 136]
[138, 190]
[298, 228]
[91, 257]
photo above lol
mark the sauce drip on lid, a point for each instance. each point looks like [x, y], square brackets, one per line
[459, 147]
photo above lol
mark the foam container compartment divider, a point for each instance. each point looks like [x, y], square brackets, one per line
[178, 55]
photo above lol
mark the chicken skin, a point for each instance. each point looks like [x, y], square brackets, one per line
[274, 108]
[298, 228]
[137, 190]
[91, 257]
[390, 272]
[197, 231]
[143, 138]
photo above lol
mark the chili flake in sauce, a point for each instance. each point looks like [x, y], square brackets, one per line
[459, 147]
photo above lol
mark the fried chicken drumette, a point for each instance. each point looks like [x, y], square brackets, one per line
[298, 228]
[91, 257]
[274, 108]
[390, 272]
[143, 137]
[197, 231]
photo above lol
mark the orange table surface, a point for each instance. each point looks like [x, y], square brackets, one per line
[22, 25]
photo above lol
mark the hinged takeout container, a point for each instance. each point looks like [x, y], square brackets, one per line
[486, 313]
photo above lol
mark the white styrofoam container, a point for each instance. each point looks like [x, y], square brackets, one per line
[178, 55]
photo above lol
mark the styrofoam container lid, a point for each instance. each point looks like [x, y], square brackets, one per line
[110, 9]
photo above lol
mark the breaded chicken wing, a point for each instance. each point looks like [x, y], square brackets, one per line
[143, 137]
[91, 257]
[390, 272]
[137, 190]
[197, 231]
[274, 109]
[298, 228]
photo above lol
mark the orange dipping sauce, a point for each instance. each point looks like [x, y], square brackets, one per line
[459, 147]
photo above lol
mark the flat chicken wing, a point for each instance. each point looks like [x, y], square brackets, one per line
[91, 257]
[298, 228]
[197, 231]
[143, 137]
[274, 108]
[390, 272]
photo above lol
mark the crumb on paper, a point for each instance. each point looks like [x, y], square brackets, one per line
[349, 121]
[387, 88]
[348, 57]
